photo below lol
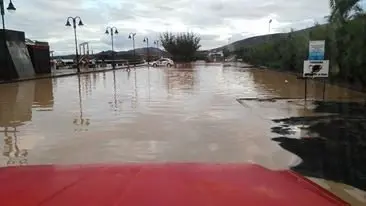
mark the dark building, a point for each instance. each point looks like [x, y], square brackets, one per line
[14, 57]
[19, 60]
[40, 56]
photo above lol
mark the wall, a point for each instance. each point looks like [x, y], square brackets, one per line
[15, 61]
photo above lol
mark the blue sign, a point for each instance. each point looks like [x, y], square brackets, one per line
[316, 50]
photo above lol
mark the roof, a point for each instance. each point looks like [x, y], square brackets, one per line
[29, 42]
[158, 184]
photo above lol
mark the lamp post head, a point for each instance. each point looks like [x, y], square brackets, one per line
[106, 31]
[129, 36]
[81, 23]
[68, 23]
[11, 7]
[116, 32]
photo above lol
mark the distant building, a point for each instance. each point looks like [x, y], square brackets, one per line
[216, 56]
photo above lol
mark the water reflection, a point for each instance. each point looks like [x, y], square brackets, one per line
[181, 79]
[95, 79]
[87, 86]
[129, 74]
[115, 105]
[284, 85]
[81, 123]
[149, 84]
[15, 155]
[135, 97]
[43, 95]
[104, 80]
[16, 103]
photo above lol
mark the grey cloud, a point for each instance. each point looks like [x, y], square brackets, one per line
[209, 37]
[44, 19]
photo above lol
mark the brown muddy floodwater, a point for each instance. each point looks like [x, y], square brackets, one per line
[159, 115]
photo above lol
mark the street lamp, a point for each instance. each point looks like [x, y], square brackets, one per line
[132, 36]
[156, 42]
[10, 8]
[227, 52]
[112, 31]
[147, 47]
[269, 26]
[74, 19]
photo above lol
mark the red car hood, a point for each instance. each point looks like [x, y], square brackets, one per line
[158, 184]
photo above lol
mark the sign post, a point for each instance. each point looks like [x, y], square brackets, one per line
[324, 85]
[316, 66]
[306, 88]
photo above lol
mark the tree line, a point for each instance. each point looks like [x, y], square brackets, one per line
[345, 36]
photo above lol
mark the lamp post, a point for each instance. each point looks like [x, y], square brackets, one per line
[112, 31]
[10, 8]
[228, 43]
[147, 47]
[269, 26]
[132, 36]
[156, 42]
[74, 19]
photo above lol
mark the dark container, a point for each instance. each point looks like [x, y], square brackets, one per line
[40, 56]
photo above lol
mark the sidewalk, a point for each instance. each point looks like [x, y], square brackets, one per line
[67, 72]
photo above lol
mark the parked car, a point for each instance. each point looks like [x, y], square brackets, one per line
[162, 62]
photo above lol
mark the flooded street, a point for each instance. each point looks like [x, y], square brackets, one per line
[198, 114]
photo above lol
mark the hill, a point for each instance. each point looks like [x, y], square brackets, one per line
[258, 40]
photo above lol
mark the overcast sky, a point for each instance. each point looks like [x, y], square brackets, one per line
[215, 20]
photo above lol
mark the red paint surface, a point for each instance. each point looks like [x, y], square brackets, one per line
[160, 185]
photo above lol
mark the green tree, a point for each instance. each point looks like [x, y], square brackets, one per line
[182, 46]
[344, 10]
[345, 45]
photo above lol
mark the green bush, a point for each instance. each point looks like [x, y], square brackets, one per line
[182, 46]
